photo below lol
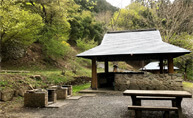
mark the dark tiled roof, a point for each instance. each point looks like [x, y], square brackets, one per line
[140, 42]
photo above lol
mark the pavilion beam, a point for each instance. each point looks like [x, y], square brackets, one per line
[106, 66]
[161, 66]
[94, 81]
[170, 65]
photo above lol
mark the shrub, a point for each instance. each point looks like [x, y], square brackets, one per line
[84, 44]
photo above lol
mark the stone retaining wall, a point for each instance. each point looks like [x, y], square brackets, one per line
[140, 81]
[148, 82]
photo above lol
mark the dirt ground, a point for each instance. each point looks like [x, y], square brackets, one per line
[112, 105]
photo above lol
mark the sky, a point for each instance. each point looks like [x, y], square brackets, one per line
[121, 3]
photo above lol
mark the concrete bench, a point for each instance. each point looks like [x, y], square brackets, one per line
[138, 110]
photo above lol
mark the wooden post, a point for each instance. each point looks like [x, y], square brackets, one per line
[94, 82]
[170, 65]
[161, 66]
[106, 67]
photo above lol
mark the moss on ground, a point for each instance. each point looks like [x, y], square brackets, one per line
[188, 85]
[78, 88]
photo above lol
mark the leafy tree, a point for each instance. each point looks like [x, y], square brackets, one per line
[96, 5]
[84, 44]
[18, 26]
[56, 29]
[185, 63]
[84, 25]
[135, 16]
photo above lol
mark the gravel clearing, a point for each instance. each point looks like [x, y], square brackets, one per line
[113, 105]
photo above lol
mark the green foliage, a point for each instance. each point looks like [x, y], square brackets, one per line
[85, 44]
[54, 48]
[86, 4]
[18, 25]
[54, 44]
[184, 40]
[96, 5]
[135, 16]
[3, 83]
[51, 23]
[56, 79]
[56, 30]
[184, 62]
[83, 25]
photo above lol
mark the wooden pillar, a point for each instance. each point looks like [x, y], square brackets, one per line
[94, 82]
[161, 66]
[170, 65]
[106, 67]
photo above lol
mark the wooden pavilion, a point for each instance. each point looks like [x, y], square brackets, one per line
[132, 45]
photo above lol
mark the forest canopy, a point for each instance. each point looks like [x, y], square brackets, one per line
[53, 23]
[62, 25]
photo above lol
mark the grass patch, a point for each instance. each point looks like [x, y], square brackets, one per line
[188, 85]
[78, 88]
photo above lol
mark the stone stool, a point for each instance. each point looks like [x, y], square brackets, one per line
[69, 89]
[36, 98]
[61, 92]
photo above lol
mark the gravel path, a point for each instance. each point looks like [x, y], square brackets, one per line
[101, 106]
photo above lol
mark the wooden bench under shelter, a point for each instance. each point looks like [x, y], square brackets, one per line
[174, 96]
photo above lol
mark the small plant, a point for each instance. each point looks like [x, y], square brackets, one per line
[63, 72]
[74, 70]
[3, 83]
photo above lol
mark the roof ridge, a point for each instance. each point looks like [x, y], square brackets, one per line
[139, 30]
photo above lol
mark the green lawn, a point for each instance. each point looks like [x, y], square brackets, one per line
[77, 88]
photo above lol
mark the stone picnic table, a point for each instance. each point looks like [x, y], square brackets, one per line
[175, 97]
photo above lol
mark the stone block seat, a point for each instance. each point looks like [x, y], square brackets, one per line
[61, 92]
[69, 89]
[36, 98]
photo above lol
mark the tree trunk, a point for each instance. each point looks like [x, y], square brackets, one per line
[185, 72]
[1, 39]
[0, 53]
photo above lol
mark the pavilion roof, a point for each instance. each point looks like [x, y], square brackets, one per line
[132, 45]
[155, 66]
